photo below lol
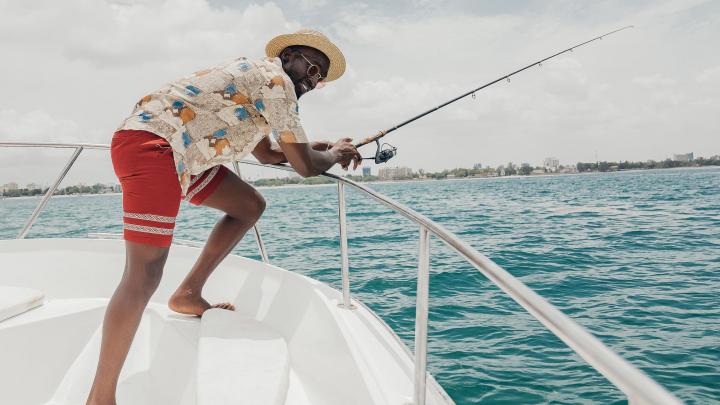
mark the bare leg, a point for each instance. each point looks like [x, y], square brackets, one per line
[143, 271]
[243, 206]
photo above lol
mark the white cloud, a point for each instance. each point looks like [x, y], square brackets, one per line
[37, 126]
[709, 76]
[312, 5]
[655, 80]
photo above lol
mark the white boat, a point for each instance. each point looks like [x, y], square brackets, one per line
[291, 341]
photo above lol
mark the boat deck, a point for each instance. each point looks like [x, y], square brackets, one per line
[288, 342]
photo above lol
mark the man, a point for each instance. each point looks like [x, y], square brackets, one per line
[173, 146]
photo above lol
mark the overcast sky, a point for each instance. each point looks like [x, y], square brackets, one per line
[73, 69]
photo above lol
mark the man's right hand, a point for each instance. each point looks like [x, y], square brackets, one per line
[345, 153]
[307, 161]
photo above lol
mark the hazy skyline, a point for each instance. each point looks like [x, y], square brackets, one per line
[73, 70]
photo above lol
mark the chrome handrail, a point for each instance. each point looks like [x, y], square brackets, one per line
[78, 149]
[421, 316]
[258, 238]
[344, 260]
[53, 145]
[636, 385]
[51, 190]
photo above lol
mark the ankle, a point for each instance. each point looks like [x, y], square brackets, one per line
[188, 291]
[94, 400]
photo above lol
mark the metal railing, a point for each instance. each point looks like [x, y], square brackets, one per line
[636, 385]
[78, 149]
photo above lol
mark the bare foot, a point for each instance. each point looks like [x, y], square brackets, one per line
[190, 303]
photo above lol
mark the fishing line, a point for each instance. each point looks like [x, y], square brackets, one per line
[383, 153]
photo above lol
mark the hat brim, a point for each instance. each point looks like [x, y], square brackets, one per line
[337, 59]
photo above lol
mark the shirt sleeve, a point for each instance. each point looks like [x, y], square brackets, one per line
[278, 104]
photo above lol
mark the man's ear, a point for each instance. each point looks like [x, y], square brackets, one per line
[285, 55]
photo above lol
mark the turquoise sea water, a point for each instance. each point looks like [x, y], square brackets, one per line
[632, 256]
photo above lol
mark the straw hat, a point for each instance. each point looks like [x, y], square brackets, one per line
[313, 39]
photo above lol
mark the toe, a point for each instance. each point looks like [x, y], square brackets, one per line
[225, 305]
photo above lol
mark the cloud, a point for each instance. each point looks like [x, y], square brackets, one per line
[177, 31]
[655, 80]
[108, 34]
[37, 126]
[709, 76]
[312, 5]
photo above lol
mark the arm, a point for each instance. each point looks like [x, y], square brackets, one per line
[321, 145]
[281, 114]
[309, 162]
[265, 154]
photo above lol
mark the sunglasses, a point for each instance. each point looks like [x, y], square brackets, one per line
[314, 71]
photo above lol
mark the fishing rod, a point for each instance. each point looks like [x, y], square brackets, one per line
[386, 151]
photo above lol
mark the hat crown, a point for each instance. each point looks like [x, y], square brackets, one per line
[309, 31]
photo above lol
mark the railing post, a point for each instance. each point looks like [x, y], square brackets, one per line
[344, 249]
[49, 193]
[421, 317]
[258, 238]
[261, 245]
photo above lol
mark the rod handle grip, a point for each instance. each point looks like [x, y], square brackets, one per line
[370, 139]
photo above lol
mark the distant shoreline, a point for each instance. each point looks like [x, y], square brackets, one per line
[515, 176]
[39, 196]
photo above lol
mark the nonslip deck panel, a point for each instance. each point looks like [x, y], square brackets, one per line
[240, 361]
[16, 300]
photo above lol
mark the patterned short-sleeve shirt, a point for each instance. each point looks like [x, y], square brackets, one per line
[220, 114]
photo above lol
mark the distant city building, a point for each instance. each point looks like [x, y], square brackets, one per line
[33, 186]
[366, 171]
[389, 173]
[477, 166]
[683, 157]
[9, 187]
[117, 188]
[538, 171]
[551, 164]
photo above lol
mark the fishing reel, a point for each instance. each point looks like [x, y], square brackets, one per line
[383, 153]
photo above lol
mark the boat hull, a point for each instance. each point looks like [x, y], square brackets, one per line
[331, 355]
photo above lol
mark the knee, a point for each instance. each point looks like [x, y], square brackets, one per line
[251, 211]
[258, 206]
[143, 275]
[153, 275]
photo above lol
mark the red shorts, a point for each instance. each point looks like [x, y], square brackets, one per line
[144, 164]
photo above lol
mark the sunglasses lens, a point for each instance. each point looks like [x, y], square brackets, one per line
[313, 70]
